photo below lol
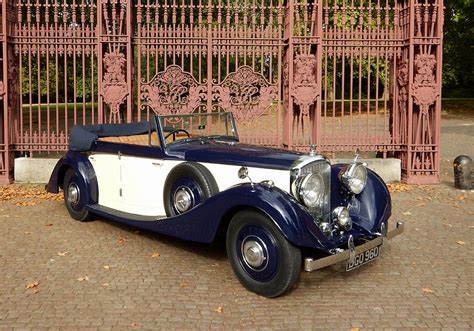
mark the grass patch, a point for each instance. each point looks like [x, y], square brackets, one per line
[457, 107]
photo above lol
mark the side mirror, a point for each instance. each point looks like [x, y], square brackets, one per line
[243, 172]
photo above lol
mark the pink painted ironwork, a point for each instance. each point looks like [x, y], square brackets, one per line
[305, 89]
[173, 92]
[246, 94]
[342, 74]
[114, 85]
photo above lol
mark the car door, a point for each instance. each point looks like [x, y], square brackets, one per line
[108, 172]
[143, 180]
[143, 174]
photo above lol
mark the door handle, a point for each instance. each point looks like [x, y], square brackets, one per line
[157, 164]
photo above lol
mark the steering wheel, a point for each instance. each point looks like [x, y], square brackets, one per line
[175, 131]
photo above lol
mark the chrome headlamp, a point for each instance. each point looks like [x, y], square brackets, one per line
[354, 178]
[310, 190]
[342, 218]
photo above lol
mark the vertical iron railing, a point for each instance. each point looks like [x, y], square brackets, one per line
[344, 75]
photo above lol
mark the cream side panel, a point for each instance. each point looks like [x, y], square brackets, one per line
[143, 181]
[107, 170]
[226, 176]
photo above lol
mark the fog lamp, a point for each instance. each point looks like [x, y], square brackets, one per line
[342, 217]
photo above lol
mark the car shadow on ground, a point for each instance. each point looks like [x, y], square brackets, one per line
[215, 250]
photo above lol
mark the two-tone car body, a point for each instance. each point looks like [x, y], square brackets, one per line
[188, 176]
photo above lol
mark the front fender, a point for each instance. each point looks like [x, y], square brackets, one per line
[202, 223]
[81, 164]
[369, 208]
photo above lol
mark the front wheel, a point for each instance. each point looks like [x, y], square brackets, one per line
[263, 260]
[74, 196]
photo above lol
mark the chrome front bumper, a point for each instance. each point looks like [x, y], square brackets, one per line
[348, 254]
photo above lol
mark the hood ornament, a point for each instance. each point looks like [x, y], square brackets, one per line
[312, 150]
[357, 154]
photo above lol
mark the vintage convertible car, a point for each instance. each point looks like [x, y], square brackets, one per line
[188, 176]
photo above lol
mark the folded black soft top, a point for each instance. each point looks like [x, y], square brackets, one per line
[83, 136]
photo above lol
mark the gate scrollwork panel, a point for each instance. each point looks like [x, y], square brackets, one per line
[173, 91]
[245, 93]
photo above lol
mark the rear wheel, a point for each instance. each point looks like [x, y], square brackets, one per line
[261, 257]
[75, 195]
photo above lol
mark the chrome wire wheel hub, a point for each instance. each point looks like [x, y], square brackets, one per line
[253, 254]
[182, 200]
[73, 194]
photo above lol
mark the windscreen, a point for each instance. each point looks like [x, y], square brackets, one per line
[197, 126]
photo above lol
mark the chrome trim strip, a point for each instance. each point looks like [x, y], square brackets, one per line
[397, 231]
[311, 265]
[304, 160]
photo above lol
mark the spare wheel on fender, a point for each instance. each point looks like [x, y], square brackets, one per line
[186, 186]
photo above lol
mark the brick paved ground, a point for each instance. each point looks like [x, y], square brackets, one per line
[100, 274]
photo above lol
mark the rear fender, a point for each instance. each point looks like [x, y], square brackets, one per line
[81, 164]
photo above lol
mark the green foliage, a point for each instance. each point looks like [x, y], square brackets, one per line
[458, 68]
[45, 81]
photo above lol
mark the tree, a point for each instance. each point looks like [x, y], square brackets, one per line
[458, 70]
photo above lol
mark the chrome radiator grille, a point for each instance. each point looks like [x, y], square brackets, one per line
[323, 168]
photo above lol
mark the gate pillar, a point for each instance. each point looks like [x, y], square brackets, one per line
[115, 60]
[9, 91]
[287, 76]
[302, 74]
[421, 161]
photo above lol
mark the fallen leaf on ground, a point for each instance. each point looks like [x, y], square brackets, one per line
[33, 284]
[155, 254]
[406, 213]
[106, 267]
[460, 242]
[121, 240]
[49, 224]
[81, 279]
[398, 187]
[461, 197]
[26, 203]
[219, 310]
[62, 253]
[427, 290]
[183, 285]
[354, 329]
[105, 284]
[26, 195]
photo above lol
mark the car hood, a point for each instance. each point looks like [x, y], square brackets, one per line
[234, 153]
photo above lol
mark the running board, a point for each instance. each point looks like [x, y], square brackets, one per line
[101, 210]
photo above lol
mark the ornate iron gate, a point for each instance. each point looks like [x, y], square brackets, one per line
[342, 74]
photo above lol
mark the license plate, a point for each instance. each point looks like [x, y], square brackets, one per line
[363, 258]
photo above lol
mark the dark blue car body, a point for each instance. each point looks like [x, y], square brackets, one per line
[369, 210]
